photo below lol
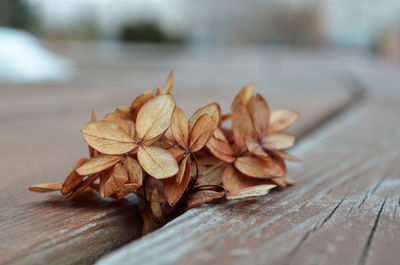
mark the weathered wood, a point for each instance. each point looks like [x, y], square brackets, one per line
[343, 209]
[40, 141]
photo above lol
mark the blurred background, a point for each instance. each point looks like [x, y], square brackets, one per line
[317, 25]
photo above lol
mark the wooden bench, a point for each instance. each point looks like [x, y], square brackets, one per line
[343, 208]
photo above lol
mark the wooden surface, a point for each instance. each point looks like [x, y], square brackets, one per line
[342, 210]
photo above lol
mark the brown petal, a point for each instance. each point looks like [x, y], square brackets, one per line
[255, 148]
[155, 204]
[157, 162]
[260, 114]
[169, 83]
[113, 180]
[107, 137]
[177, 153]
[244, 95]
[210, 171]
[203, 196]
[278, 141]
[134, 170]
[139, 102]
[117, 120]
[258, 168]
[234, 181]
[46, 187]
[173, 191]
[126, 189]
[201, 131]
[281, 120]
[221, 150]
[88, 182]
[258, 190]
[154, 117]
[180, 127]
[73, 178]
[182, 168]
[97, 164]
[242, 126]
[123, 112]
[211, 109]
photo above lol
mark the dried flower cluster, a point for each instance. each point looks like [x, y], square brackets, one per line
[174, 163]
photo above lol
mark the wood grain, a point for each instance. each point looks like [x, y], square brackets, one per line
[343, 209]
[40, 141]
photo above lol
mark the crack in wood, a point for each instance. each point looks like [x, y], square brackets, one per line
[378, 184]
[395, 212]
[364, 253]
[365, 198]
[332, 212]
[351, 209]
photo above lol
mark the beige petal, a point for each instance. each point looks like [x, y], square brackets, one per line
[157, 162]
[204, 196]
[258, 168]
[242, 126]
[173, 191]
[169, 83]
[154, 117]
[73, 179]
[155, 204]
[113, 181]
[107, 137]
[221, 150]
[244, 95]
[259, 111]
[98, 164]
[211, 109]
[234, 181]
[180, 127]
[281, 120]
[210, 171]
[255, 148]
[139, 102]
[124, 124]
[201, 132]
[278, 141]
[258, 190]
[287, 156]
[46, 187]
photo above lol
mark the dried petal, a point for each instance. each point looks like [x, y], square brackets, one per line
[113, 181]
[242, 126]
[177, 153]
[258, 190]
[169, 83]
[173, 191]
[88, 182]
[155, 204]
[244, 95]
[281, 120]
[134, 170]
[124, 112]
[210, 171]
[234, 181]
[157, 162]
[46, 187]
[221, 150]
[107, 137]
[260, 114]
[204, 196]
[118, 120]
[126, 189]
[278, 141]
[201, 132]
[287, 156]
[180, 127]
[211, 109]
[154, 117]
[98, 164]
[255, 148]
[73, 178]
[139, 102]
[258, 168]
[182, 168]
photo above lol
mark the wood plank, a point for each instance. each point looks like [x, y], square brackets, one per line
[343, 209]
[40, 141]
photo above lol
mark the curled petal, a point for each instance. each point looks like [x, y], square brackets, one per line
[46, 187]
[281, 120]
[201, 131]
[204, 196]
[242, 126]
[180, 127]
[211, 109]
[73, 178]
[278, 141]
[253, 191]
[260, 114]
[173, 190]
[244, 95]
